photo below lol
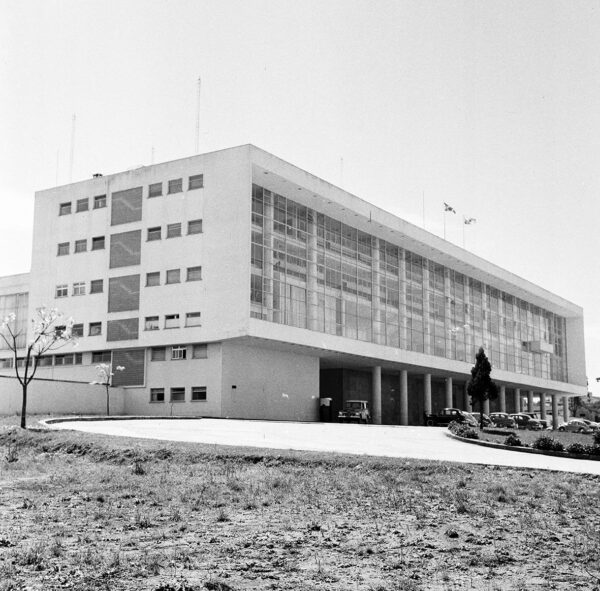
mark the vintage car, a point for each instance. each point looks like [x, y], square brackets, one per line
[445, 416]
[355, 411]
[524, 421]
[575, 426]
[487, 421]
[502, 419]
[545, 422]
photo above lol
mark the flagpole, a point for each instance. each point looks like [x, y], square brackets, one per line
[444, 224]
[464, 224]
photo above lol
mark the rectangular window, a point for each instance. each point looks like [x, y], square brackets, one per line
[80, 245]
[155, 190]
[173, 230]
[96, 285]
[77, 330]
[79, 288]
[63, 249]
[125, 249]
[198, 393]
[173, 276]
[158, 354]
[99, 201]
[61, 360]
[178, 352]
[175, 186]
[172, 321]
[153, 279]
[8, 363]
[78, 358]
[126, 206]
[64, 209]
[199, 351]
[124, 293]
[62, 291]
[192, 319]
[45, 361]
[134, 362]
[195, 227]
[196, 182]
[153, 233]
[177, 394]
[83, 204]
[101, 356]
[157, 394]
[98, 243]
[151, 323]
[126, 329]
[95, 329]
[58, 330]
[194, 273]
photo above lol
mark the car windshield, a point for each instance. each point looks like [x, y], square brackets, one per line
[354, 405]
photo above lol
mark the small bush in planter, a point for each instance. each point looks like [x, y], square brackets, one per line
[513, 441]
[462, 430]
[597, 437]
[547, 444]
[593, 450]
[577, 448]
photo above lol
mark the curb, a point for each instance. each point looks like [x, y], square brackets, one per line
[49, 422]
[526, 450]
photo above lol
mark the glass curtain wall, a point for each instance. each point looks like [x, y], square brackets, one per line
[312, 271]
[16, 304]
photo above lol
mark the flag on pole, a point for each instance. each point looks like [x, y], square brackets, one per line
[469, 221]
[449, 208]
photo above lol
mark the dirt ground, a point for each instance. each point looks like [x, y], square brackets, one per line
[80, 511]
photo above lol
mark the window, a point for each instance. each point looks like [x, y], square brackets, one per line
[80, 245]
[77, 330]
[45, 361]
[151, 323]
[153, 279]
[199, 351]
[175, 186]
[101, 356]
[154, 233]
[196, 182]
[194, 273]
[99, 201]
[63, 360]
[7, 363]
[157, 394]
[79, 288]
[96, 286]
[64, 209]
[83, 204]
[95, 329]
[172, 321]
[177, 394]
[173, 230]
[198, 393]
[158, 354]
[58, 330]
[78, 358]
[192, 319]
[178, 352]
[155, 190]
[173, 276]
[63, 249]
[62, 291]
[98, 243]
[195, 227]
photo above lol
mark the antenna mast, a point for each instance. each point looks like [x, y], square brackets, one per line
[72, 148]
[197, 146]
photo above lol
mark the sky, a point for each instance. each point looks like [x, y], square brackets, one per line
[491, 107]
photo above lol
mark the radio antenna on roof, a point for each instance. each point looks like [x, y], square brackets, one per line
[72, 148]
[197, 146]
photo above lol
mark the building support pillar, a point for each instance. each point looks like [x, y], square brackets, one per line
[517, 399]
[486, 407]
[555, 411]
[565, 402]
[530, 401]
[468, 405]
[403, 397]
[543, 406]
[427, 393]
[377, 395]
[449, 403]
[502, 398]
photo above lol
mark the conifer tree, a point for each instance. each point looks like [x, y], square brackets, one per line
[481, 387]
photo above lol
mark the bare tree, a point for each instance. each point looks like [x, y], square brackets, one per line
[105, 374]
[46, 335]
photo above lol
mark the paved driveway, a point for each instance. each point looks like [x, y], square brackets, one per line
[429, 443]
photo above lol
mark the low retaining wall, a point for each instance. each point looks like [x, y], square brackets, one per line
[45, 396]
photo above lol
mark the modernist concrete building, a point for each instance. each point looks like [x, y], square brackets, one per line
[233, 284]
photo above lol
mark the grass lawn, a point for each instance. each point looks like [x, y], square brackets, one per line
[82, 511]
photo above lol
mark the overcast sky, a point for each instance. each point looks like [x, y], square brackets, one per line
[493, 107]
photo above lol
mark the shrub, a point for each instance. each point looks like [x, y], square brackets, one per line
[547, 444]
[597, 437]
[462, 430]
[593, 450]
[578, 448]
[513, 441]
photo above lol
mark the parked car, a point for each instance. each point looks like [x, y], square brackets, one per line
[524, 421]
[545, 423]
[575, 426]
[487, 421]
[592, 425]
[503, 419]
[444, 417]
[355, 411]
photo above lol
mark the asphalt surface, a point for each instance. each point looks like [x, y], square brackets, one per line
[427, 443]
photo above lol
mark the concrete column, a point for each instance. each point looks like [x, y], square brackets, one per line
[543, 406]
[427, 338]
[404, 397]
[565, 402]
[468, 405]
[486, 407]
[530, 401]
[502, 398]
[517, 399]
[268, 257]
[448, 392]
[427, 392]
[377, 395]
[555, 411]
[378, 335]
[312, 299]
[402, 295]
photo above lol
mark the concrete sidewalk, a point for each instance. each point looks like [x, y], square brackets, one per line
[427, 443]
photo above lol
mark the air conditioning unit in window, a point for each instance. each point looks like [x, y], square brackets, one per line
[541, 347]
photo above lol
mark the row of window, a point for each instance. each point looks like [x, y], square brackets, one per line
[174, 230]
[64, 248]
[172, 321]
[179, 352]
[79, 288]
[198, 393]
[154, 190]
[173, 276]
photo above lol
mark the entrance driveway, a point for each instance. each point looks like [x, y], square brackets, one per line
[427, 443]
